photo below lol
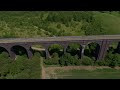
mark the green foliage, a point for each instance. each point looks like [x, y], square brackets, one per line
[87, 61]
[61, 23]
[4, 55]
[67, 60]
[59, 26]
[59, 17]
[101, 63]
[83, 15]
[73, 49]
[112, 59]
[94, 28]
[54, 60]
[77, 62]
[55, 48]
[22, 68]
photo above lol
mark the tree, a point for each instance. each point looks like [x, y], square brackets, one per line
[94, 28]
[66, 60]
[87, 61]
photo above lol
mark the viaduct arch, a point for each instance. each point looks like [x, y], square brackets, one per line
[103, 40]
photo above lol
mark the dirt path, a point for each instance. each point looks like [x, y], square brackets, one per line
[42, 69]
[52, 69]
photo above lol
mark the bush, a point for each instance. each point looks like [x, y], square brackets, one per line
[72, 48]
[87, 61]
[21, 68]
[102, 63]
[112, 59]
[94, 28]
[51, 61]
[83, 15]
[54, 60]
[77, 61]
[66, 60]
[55, 49]
[4, 55]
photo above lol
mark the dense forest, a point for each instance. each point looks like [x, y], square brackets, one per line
[56, 23]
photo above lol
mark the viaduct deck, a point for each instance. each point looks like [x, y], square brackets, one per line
[62, 38]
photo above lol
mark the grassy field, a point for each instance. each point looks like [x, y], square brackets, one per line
[85, 74]
[110, 22]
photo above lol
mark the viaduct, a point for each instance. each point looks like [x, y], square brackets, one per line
[103, 40]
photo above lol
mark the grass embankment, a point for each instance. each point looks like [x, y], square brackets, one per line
[110, 22]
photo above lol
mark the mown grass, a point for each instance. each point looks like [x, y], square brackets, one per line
[110, 22]
[89, 74]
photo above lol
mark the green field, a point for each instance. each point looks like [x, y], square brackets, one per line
[86, 74]
[110, 22]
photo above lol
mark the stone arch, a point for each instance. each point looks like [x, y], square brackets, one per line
[19, 50]
[93, 42]
[74, 49]
[92, 50]
[38, 49]
[114, 47]
[56, 48]
[3, 49]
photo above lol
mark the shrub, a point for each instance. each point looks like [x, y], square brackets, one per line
[66, 60]
[87, 61]
[54, 60]
[102, 63]
[112, 59]
[51, 61]
[4, 55]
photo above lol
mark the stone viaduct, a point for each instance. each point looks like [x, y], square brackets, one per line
[103, 40]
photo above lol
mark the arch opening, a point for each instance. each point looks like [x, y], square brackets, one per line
[114, 48]
[38, 50]
[4, 52]
[92, 50]
[74, 49]
[56, 48]
[19, 50]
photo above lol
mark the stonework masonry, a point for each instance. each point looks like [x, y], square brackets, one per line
[64, 41]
